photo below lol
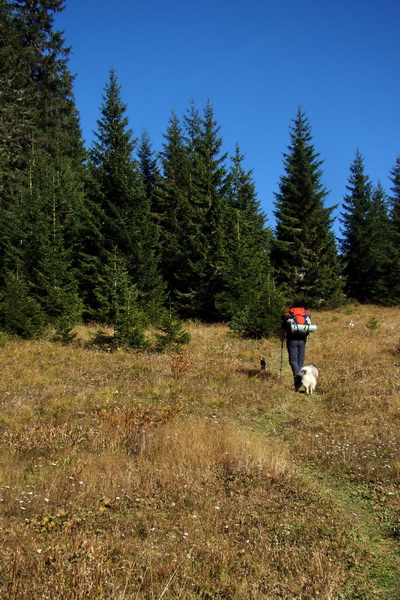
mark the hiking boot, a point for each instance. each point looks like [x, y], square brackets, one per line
[297, 383]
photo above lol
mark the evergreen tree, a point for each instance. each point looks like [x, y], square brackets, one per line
[57, 286]
[246, 243]
[90, 253]
[205, 210]
[48, 119]
[356, 229]
[304, 253]
[262, 315]
[149, 170]
[20, 313]
[394, 220]
[173, 213]
[190, 212]
[172, 334]
[381, 250]
[250, 299]
[116, 180]
[118, 299]
[42, 184]
[16, 110]
[119, 191]
[394, 201]
[212, 185]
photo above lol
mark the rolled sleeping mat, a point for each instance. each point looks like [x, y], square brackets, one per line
[297, 328]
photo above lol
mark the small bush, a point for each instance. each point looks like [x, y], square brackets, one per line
[262, 315]
[173, 336]
[65, 335]
[373, 324]
[22, 314]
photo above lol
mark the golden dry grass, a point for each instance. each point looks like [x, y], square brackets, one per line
[149, 476]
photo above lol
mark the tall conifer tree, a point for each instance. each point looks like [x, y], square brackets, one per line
[356, 223]
[249, 298]
[206, 201]
[119, 191]
[394, 201]
[149, 169]
[173, 213]
[304, 254]
[381, 250]
[42, 183]
[394, 219]
[245, 240]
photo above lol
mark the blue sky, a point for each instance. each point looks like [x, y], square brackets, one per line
[256, 61]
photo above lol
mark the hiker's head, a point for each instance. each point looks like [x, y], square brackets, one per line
[298, 300]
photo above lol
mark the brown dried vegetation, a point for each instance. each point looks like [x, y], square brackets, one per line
[149, 476]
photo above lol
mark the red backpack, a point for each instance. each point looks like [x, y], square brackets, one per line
[298, 316]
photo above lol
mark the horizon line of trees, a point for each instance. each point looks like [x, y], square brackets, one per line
[126, 236]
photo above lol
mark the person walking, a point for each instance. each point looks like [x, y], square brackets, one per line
[295, 340]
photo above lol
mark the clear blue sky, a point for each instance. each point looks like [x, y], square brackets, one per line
[256, 61]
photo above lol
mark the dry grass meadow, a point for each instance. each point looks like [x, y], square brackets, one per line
[138, 476]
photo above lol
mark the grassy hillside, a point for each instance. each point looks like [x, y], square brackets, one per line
[150, 476]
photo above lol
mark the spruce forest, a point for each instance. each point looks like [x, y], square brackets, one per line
[140, 239]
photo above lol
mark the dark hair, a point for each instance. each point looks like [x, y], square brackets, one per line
[297, 301]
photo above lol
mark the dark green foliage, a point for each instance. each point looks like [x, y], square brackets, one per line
[373, 324]
[262, 315]
[304, 254]
[393, 274]
[89, 253]
[174, 213]
[149, 170]
[130, 336]
[59, 292]
[207, 193]
[368, 250]
[118, 298]
[197, 235]
[191, 211]
[117, 189]
[55, 283]
[40, 192]
[381, 250]
[16, 110]
[245, 266]
[115, 234]
[65, 335]
[116, 181]
[21, 314]
[173, 336]
[394, 200]
[355, 243]
[3, 339]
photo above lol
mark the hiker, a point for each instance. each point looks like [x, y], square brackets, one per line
[295, 340]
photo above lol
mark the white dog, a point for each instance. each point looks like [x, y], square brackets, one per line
[309, 376]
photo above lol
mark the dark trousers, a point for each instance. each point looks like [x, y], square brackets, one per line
[296, 347]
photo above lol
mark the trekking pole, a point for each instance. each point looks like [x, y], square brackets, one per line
[280, 369]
